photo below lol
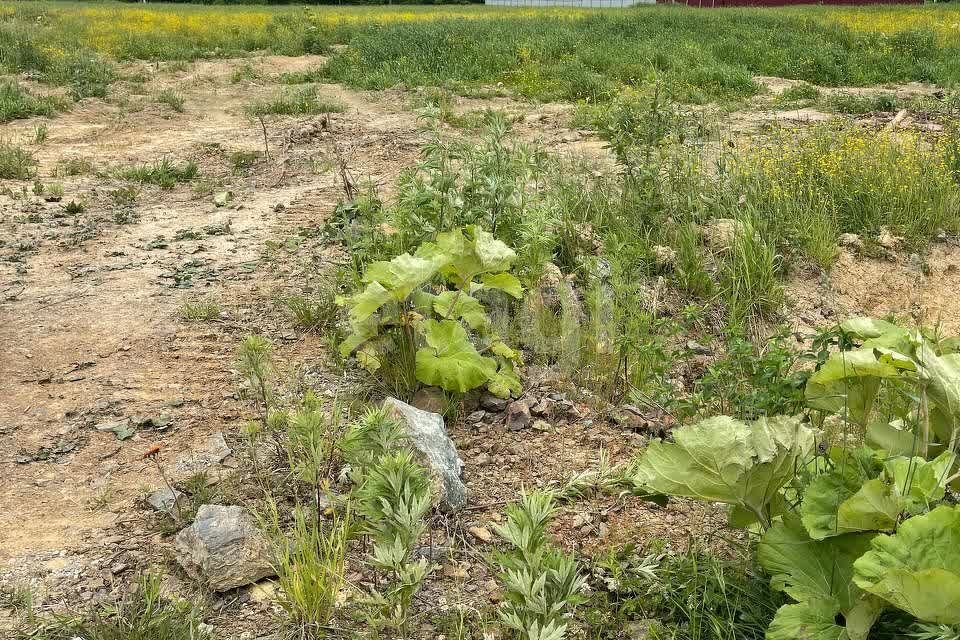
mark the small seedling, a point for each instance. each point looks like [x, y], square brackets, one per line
[40, 133]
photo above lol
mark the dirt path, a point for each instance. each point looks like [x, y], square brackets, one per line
[90, 325]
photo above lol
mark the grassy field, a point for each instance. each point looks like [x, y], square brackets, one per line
[543, 54]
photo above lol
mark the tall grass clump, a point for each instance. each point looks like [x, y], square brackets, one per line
[294, 103]
[310, 561]
[145, 614]
[162, 173]
[16, 103]
[806, 187]
[16, 163]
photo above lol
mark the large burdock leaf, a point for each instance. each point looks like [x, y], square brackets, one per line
[848, 499]
[943, 374]
[722, 459]
[918, 568]
[404, 273]
[817, 574]
[848, 381]
[815, 620]
[505, 282]
[456, 304]
[468, 254]
[919, 483]
[506, 381]
[368, 301]
[450, 360]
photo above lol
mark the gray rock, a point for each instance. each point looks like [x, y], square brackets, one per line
[476, 416]
[166, 499]
[851, 240]
[223, 548]
[699, 349]
[491, 402]
[518, 415]
[428, 437]
[214, 451]
[664, 257]
[430, 399]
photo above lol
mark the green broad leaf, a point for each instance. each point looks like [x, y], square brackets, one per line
[368, 301]
[917, 569]
[859, 363]
[814, 620]
[917, 483]
[493, 254]
[450, 361]
[818, 572]
[469, 253]
[943, 374]
[456, 304]
[872, 508]
[506, 282]
[851, 397]
[369, 357]
[871, 327]
[501, 349]
[892, 438]
[506, 381]
[847, 499]
[403, 274]
[362, 331]
[422, 302]
[722, 459]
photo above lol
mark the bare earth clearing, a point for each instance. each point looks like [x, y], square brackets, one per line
[91, 333]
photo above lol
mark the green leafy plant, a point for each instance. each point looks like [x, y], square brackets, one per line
[900, 386]
[541, 583]
[846, 532]
[395, 317]
[393, 496]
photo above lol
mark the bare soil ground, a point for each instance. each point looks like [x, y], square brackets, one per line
[91, 335]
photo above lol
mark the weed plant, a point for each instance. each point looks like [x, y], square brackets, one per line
[294, 103]
[16, 163]
[16, 103]
[163, 173]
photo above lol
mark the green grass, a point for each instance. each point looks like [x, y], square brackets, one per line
[172, 99]
[17, 103]
[200, 310]
[857, 104]
[696, 56]
[16, 163]
[162, 173]
[546, 54]
[143, 615]
[297, 102]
